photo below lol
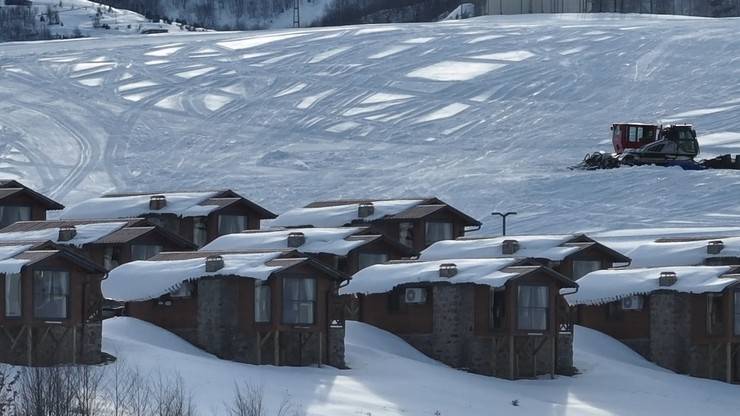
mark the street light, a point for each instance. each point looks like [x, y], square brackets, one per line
[503, 216]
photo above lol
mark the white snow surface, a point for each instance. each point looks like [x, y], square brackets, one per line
[683, 253]
[86, 233]
[387, 377]
[531, 246]
[339, 215]
[318, 240]
[7, 263]
[605, 286]
[508, 151]
[184, 204]
[381, 278]
[149, 279]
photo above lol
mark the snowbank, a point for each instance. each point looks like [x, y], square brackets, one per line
[340, 215]
[605, 286]
[143, 280]
[530, 246]
[86, 233]
[184, 204]
[318, 240]
[381, 278]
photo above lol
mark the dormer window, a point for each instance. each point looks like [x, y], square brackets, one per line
[231, 224]
[438, 231]
[10, 214]
[144, 251]
[532, 308]
[50, 294]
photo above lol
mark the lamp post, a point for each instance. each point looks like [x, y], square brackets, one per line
[503, 216]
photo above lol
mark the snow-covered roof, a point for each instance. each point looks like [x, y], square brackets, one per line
[183, 204]
[7, 263]
[340, 215]
[86, 233]
[143, 280]
[382, 278]
[318, 240]
[605, 286]
[530, 246]
[680, 253]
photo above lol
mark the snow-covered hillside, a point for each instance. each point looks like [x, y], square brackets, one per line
[389, 378]
[485, 113]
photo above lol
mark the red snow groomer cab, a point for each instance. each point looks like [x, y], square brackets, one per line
[632, 135]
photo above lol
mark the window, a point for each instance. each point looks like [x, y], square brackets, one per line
[262, 301]
[368, 259]
[584, 267]
[111, 257]
[12, 295]
[200, 234]
[406, 234]
[497, 310]
[299, 301]
[438, 231]
[714, 314]
[532, 307]
[50, 294]
[144, 251]
[634, 135]
[11, 213]
[230, 224]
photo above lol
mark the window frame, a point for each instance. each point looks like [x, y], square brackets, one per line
[519, 307]
[3, 206]
[427, 225]
[67, 296]
[148, 247]
[200, 225]
[494, 308]
[366, 253]
[410, 238]
[573, 266]
[286, 302]
[710, 324]
[219, 218]
[261, 285]
[20, 295]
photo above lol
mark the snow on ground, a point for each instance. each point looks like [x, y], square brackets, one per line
[388, 377]
[490, 125]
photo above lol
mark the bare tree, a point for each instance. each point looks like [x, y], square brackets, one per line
[249, 401]
[8, 390]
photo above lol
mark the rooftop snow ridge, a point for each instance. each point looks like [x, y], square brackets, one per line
[85, 233]
[317, 240]
[345, 213]
[604, 286]
[184, 204]
[532, 246]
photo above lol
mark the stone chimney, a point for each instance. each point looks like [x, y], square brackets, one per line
[509, 247]
[667, 279]
[67, 233]
[157, 202]
[365, 209]
[447, 270]
[715, 247]
[296, 239]
[214, 263]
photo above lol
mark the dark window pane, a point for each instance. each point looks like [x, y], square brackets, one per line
[532, 307]
[144, 251]
[12, 213]
[13, 294]
[299, 300]
[50, 294]
[438, 231]
[230, 224]
[368, 259]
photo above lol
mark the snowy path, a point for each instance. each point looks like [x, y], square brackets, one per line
[389, 378]
[485, 113]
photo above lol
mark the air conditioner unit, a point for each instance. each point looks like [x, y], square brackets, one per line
[415, 295]
[632, 303]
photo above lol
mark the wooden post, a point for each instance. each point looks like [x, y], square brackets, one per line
[74, 344]
[729, 361]
[321, 342]
[554, 354]
[259, 348]
[511, 356]
[29, 347]
[276, 345]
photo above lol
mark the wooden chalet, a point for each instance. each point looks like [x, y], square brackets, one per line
[572, 255]
[414, 222]
[51, 307]
[21, 203]
[346, 249]
[199, 217]
[108, 243]
[484, 315]
[268, 307]
[686, 319]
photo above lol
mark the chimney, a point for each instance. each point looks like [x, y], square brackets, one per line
[365, 209]
[157, 202]
[447, 270]
[67, 233]
[667, 279]
[714, 247]
[214, 263]
[509, 247]
[296, 239]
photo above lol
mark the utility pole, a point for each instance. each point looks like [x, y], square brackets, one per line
[503, 216]
[297, 13]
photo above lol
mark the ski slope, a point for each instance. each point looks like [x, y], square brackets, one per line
[389, 378]
[485, 113]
